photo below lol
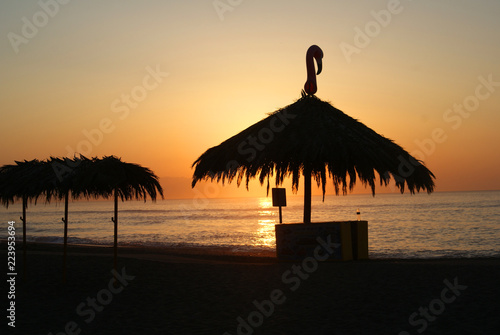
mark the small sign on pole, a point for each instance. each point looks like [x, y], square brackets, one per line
[279, 199]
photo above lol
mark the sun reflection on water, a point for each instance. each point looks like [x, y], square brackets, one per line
[265, 232]
[265, 203]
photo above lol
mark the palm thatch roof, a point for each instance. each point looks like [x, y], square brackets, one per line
[311, 135]
[81, 176]
[101, 177]
[36, 179]
[22, 180]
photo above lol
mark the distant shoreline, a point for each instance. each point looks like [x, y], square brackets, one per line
[148, 252]
[195, 254]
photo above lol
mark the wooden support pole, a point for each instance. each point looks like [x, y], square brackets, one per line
[65, 220]
[307, 195]
[23, 218]
[115, 243]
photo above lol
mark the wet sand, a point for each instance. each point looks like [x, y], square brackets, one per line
[193, 291]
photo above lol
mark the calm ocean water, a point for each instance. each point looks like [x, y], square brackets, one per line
[455, 224]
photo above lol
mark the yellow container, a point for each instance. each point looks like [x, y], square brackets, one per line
[359, 236]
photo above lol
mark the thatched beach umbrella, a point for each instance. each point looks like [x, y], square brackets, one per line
[312, 138]
[110, 176]
[26, 180]
[61, 185]
[12, 187]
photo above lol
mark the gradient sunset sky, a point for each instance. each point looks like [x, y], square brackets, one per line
[159, 82]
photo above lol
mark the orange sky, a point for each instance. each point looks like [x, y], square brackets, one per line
[159, 82]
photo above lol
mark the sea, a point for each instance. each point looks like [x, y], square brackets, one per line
[437, 225]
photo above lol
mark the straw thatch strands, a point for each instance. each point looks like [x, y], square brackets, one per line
[315, 139]
[109, 176]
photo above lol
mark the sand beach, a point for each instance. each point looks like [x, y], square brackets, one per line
[192, 291]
